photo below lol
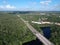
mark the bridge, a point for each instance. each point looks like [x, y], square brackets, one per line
[36, 33]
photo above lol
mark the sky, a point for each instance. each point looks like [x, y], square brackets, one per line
[29, 5]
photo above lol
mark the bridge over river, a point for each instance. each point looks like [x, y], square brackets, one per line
[36, 33]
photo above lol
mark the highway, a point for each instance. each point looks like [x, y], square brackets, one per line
[36, 33]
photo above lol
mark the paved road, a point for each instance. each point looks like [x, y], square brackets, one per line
[36, 33]
[46, 23]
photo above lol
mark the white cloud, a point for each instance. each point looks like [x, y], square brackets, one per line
[1, 7]
[57, 6]
[45, 2]
[10, 7]
[7, 7]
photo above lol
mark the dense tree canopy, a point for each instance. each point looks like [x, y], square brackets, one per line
[13, 31]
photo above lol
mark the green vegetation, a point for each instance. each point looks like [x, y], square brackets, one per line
[54, 18]
[13, 31]
[30, 17]
[55, 38]
[55, 30]
[46, 17]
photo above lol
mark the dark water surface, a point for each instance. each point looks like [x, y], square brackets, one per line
[46, 32]
[33, 42]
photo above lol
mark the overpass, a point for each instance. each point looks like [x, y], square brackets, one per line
[36, 33]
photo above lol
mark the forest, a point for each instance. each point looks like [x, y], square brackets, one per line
[13, 31]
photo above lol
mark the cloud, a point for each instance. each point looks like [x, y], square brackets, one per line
[7, 7]
[45, 2]
[10, 7]
[57, 6]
